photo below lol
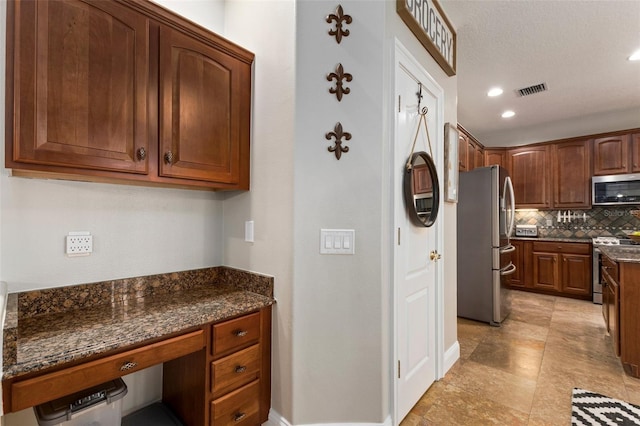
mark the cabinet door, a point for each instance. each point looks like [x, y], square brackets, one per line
[80, 88]
[463, 161]
[614, 317]
[610, 155]
[494, 156]
[635, 153]
[546, 271]
[422, 182]
[530, 174]
[471, 155]
[204, 111]
[571, 174]
[576, 274]
[479, 160]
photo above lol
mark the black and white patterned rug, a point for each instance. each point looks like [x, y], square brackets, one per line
[593, 409]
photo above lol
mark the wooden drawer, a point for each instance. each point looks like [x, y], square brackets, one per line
[240, 407]
[232, 335]
[551, 247]
[235, 370]
[34, 391]
[610, 267]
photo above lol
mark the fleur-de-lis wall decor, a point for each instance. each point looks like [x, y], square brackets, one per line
[340, 19]
[338, 134]
[339, 76]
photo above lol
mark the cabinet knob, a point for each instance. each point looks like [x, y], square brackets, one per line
[141, 154]
[168, 157]
[240, 333]
[239, 416]
[241, 369]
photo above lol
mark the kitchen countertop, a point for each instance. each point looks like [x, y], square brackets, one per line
[554, 239]
[628, 254]
[38, 342]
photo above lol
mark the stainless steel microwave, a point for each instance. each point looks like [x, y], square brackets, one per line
[615, 190]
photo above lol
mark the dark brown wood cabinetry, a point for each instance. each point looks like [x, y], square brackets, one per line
[571, 174]
[470, 151]
[228, 382]
[557, 268]
[125, 91]
[635, 153]
[529, 168]
[611, 155]
[611, 300]
[493, 156]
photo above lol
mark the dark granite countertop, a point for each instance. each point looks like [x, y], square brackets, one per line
[628, 254]
[554, 239]
[38, 342]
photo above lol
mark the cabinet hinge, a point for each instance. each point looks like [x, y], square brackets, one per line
[398, 236]
[398, 369]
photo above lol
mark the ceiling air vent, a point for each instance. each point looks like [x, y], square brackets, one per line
[536, 88]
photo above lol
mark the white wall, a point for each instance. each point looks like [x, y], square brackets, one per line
[267, 28]
[137, 231]
[339, 368]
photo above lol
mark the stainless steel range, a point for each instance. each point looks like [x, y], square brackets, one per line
[597, 264]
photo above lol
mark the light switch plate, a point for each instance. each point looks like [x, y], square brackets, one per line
[337, 241]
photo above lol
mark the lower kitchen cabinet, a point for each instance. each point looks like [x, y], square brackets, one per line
[229, 381]
[557, 268]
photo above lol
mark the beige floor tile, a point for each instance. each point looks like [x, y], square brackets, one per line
[523, 373]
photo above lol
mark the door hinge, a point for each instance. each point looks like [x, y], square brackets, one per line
[399, 103]
[398, 369]
[398, 236]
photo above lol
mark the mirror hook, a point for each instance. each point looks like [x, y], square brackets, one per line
[419, 94]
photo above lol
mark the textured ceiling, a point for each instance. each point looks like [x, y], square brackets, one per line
[578, 48]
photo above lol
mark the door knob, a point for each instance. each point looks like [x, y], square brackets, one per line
[434, 255]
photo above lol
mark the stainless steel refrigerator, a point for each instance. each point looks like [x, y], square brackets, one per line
[486, 209]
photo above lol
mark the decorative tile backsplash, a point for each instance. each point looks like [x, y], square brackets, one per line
[599, 221]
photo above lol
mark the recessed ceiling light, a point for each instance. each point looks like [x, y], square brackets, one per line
[635, 56]
[496, 91]
[508, 114]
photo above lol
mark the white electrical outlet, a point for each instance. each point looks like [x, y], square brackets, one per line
[79, 244]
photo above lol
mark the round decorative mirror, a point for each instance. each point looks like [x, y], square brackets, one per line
[421, 189]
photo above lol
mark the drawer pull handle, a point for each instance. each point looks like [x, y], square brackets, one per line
[128, 365]
[240, 333]
[241, 369]
[239, 416]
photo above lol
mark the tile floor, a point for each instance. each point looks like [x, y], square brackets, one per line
[523, 372]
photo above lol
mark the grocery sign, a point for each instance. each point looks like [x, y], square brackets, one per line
[427, 21]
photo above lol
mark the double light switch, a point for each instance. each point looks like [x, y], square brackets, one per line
[337, 241]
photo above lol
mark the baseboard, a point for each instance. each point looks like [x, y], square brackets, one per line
[275, 419]
[451, 356]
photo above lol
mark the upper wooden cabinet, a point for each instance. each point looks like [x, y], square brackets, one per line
[571, 174]
[204, 110]
[125, 91]
[611, 155]
[470, 151]
[529, 168]
[495, 156]
[81, 81]
[635, 153]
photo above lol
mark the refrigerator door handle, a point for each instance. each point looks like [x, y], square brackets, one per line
[508, 270]
[507, 249]
[512, 207]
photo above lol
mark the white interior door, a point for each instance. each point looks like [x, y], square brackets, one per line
[415, 274]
